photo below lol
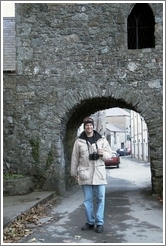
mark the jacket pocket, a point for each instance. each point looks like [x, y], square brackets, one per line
[84, 174]
[100, 172]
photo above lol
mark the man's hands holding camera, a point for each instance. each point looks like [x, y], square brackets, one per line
[95, 155]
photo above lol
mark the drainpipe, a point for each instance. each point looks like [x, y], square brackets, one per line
[138, 138]
[142, 133]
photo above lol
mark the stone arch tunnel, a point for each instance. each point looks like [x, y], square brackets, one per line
[91, 105]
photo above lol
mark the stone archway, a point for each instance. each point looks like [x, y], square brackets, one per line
[94, 104]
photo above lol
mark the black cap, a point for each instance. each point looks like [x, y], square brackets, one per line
[88, 120]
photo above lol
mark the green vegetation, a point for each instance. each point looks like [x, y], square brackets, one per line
[40, 171]
[9, 176]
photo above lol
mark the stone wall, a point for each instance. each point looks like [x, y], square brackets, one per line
[72, 60]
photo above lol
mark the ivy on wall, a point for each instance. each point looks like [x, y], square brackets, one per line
[40, 171]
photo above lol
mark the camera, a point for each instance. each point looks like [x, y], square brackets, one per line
[94, 156]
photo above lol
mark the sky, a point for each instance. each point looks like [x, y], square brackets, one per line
[7, 8]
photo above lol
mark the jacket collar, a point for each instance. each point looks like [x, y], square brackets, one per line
[96, 135]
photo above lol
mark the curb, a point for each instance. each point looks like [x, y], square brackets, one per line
[42, 201]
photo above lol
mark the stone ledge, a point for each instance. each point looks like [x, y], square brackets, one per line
[20, 186]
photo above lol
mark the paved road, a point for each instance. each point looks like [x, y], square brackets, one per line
[132, 214]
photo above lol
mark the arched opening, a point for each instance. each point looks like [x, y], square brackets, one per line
[86, 108]
[140, 27]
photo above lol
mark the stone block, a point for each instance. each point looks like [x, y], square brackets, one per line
[20, 186]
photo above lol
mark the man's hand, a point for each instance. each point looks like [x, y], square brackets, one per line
[100, 152]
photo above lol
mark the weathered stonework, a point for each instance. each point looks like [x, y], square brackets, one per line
[20, 186]
[72, 60]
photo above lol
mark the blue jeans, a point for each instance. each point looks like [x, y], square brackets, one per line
[94, 212]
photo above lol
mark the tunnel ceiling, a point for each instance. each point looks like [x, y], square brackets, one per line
[91, 106]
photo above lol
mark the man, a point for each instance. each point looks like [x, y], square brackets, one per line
[88, 167]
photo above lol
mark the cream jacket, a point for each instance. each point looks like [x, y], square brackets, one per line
[90, 172]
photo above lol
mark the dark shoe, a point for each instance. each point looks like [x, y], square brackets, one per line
[99, 228]
[87, 227]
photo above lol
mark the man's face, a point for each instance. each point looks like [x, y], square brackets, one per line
[89, 128]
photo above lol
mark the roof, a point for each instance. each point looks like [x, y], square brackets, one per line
[114, 128]
[9, 45]
[116, 112]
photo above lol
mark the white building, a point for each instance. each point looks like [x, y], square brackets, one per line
[120, 119]
[115, 136]
[139, 137]
[123, 129]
